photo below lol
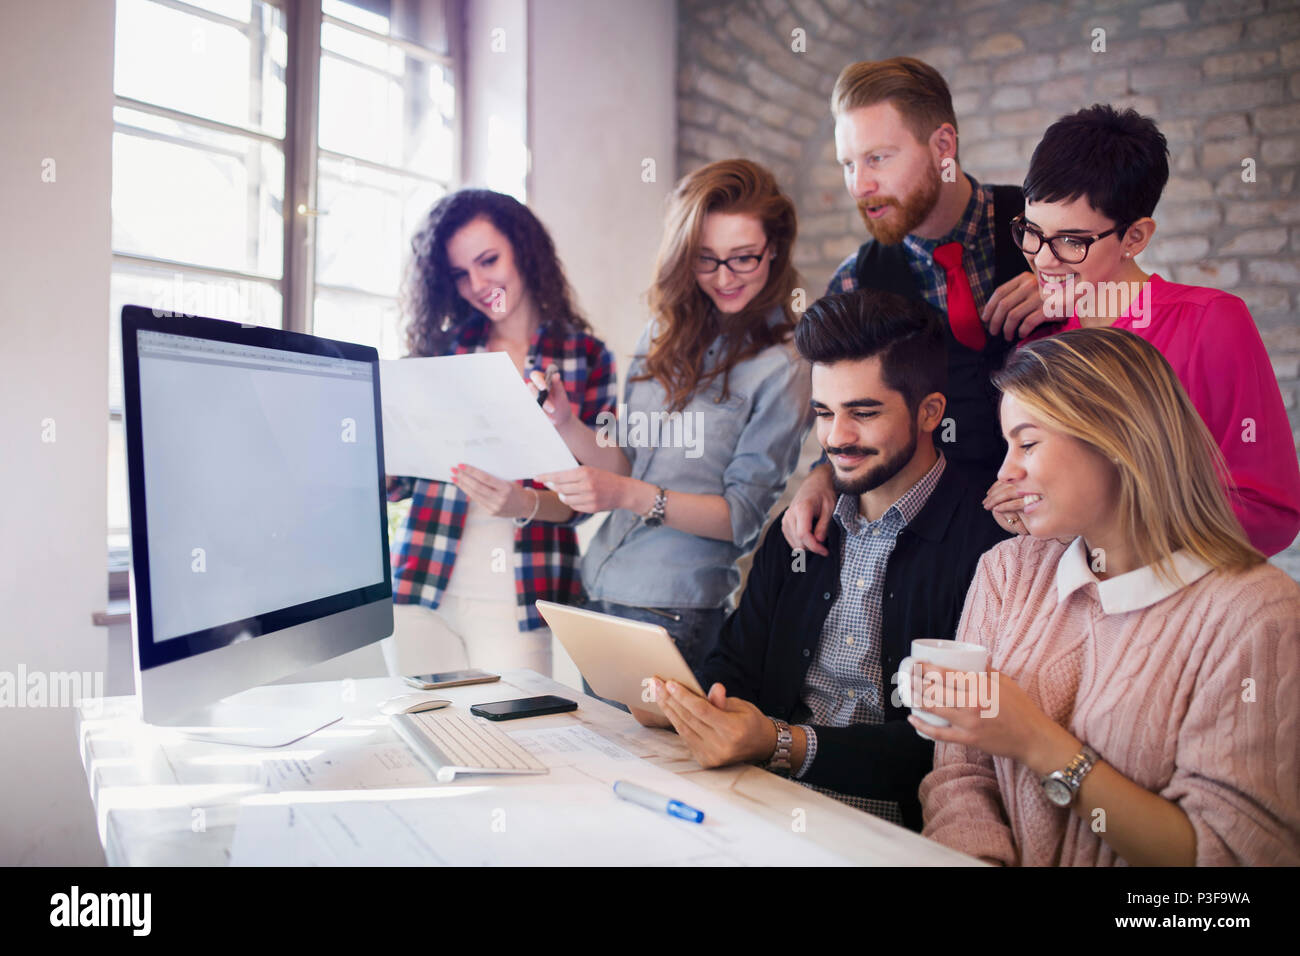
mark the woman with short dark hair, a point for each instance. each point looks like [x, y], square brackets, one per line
[1092, 187]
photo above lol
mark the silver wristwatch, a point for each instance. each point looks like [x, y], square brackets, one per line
[655, 517]
[780, 762]
[1061, 787]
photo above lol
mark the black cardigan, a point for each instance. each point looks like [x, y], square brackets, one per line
[972, 399]
[766, 646]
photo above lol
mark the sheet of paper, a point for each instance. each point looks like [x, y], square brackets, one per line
[472, 408]
[572, 818]
[372, 767]
[570, 745]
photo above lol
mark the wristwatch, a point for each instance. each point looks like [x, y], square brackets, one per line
[1062, 786]
[655, 516]
[780, 762]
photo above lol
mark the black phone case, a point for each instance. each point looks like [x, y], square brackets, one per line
[563, 708]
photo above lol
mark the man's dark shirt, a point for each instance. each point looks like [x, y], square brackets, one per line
[766, 646]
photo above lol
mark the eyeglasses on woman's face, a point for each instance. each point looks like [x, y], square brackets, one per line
[741, 265]
[1065, 247]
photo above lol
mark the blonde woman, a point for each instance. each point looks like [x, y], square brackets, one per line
[1146, 708]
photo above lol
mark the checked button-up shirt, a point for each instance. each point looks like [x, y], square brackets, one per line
[545, 554]
[844, 684]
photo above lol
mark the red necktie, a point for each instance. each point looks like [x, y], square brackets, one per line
[962, 315]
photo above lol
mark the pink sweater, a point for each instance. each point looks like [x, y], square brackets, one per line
[1153, 678]
[1210, 340]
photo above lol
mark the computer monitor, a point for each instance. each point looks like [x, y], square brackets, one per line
[259, 538]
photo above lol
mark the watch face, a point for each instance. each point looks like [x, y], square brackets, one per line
[1058, 792]
[653, 522]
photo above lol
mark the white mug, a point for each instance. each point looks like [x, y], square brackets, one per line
[954, 655]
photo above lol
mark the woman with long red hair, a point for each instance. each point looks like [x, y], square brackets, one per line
[714, 412]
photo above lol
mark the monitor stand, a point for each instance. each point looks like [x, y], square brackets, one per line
[246, 723]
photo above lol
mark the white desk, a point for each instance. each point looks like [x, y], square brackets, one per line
[165, 800]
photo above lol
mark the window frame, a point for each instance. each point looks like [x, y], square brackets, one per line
[302, 152]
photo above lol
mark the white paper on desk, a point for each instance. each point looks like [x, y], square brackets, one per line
[278, 836]
[376, 766]
[472, 408]
[569, 746]
[571, 819]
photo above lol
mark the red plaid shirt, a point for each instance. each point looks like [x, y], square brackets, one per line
[545, 554]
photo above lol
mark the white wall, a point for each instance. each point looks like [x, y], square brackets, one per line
[601, 100]
[56, 66]
[495, 51]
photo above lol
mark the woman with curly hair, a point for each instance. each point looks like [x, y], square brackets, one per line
[715, 409]
[485, 277]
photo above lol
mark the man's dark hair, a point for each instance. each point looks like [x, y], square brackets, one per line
[1118, 160]
[904, 332]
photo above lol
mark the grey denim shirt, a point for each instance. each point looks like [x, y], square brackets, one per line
[743, 448]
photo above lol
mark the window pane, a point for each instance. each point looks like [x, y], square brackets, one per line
[235, 9]
[229, 72]
[363, 49]
[187, 292]
[395, 110]
[361, 111]
[368, 217]
[195, 195]
[362, 319]
[420, 21]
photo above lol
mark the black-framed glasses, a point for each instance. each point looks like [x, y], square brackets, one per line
[706, 265]
[1066, 248]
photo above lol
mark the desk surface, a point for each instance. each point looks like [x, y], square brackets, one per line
[162, 799]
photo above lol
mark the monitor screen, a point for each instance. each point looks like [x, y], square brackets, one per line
[262, 479]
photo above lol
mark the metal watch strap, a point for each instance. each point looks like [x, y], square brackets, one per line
[1079, 767]
[1072, 776]
[780, 762]
[655, 516]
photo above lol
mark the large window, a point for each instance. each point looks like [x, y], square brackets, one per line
[271, 159]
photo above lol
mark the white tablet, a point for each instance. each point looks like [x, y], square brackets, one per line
[615, 655]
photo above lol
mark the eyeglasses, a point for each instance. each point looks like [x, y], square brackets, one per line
[1071, 249]
[706, 265]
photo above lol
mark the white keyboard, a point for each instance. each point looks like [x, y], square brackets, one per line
[451, 743]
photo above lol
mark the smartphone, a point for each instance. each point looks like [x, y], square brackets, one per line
[450, 679]
[524, 707]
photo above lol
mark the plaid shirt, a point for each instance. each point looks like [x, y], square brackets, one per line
[975, 231]
[545, 554]
[844, 685]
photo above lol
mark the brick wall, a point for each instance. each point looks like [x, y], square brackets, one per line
[1221, 79]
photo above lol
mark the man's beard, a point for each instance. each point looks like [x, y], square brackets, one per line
[875, 476]
[913, 210]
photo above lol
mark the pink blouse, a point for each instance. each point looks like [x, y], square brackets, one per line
[1210, 340]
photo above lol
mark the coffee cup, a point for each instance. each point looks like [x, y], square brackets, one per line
[954, 655]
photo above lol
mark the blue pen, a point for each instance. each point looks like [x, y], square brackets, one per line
[633, 793]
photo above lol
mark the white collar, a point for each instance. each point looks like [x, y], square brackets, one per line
[1131, 591]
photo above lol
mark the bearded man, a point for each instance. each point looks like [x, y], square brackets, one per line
[937, 235]
[801, 679]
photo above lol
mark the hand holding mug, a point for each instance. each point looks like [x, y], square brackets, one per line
[951, 655]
